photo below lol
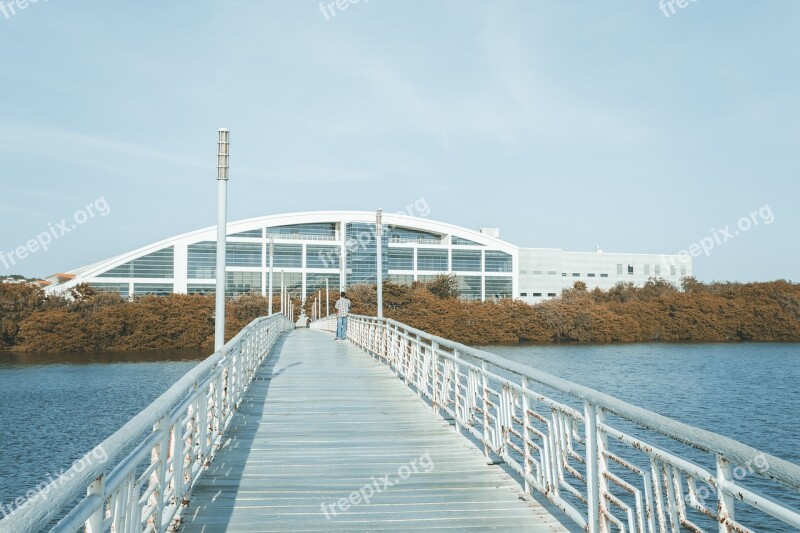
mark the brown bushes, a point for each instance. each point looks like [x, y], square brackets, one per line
[715, 312]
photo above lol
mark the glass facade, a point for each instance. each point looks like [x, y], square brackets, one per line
[242, 254]
[401, 259]
[432, 259]
[497, 261]
[400, 235]
[300, 231]
[462, 241]
[253, 233]
[322, 256]
[408, 252]
[401, 279]
[288, 256]
[293, 281]
[202, 261]
[159, 264]
[158, 289]
[201, 288]
[242, 283]
[122, 288]
[361, 246]
[466, 260]
[498, 287]
[316, 282]
[469, 287]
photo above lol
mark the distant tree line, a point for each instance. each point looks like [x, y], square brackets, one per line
[88, 320]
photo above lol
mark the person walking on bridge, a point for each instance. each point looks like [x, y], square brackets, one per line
[342, 311]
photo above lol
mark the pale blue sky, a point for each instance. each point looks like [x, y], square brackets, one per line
[566, 124]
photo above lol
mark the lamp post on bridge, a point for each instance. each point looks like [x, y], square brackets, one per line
[222, 216]
[379, 258]
[271, 254]
[327, 298]
[283, 295]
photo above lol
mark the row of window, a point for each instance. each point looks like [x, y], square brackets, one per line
[236, 283]
[656, 270]
[538, 294]
[436, 260]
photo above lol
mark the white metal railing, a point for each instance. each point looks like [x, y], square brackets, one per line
[607, 464]
[159, 454]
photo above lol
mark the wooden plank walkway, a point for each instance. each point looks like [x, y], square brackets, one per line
[322, 424]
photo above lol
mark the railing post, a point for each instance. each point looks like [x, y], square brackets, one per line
[592, 482]
[485, 395]
[435, 393]
[526, 449]
[95, 522]
[724, 500]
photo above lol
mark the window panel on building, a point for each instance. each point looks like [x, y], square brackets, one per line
[288, 256]
[401, 235]
[401, 259]
[253, 233]
[292, 280]
[498, 287]
[647, 270]
[361, 247]
[242, 283]
[316, 282]
[461, 241]
[318, 256]
[657, 269]
[401, 279]
[619, 269]
[469, 287]
[158, 264]
[123, 289]
[202, 260]
[466, 260]
[325, 230]
[630, 269]
[201, 288]
[432, 259]
[497, 261]
[243, 254]
[158, 289]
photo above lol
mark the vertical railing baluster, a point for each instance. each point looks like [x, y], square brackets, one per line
[526, 449]
[592, 482]
[95, 522]
[724, 500]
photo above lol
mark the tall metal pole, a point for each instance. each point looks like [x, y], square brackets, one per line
[283, 294]
[271, 254]
[327, 298]
[222, 223]
[379, 258]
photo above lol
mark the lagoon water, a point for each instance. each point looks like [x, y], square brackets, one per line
[55, 408]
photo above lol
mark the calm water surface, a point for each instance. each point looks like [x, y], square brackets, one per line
[53, 409]
[748, 392]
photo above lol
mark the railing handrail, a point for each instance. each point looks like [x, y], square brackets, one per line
[34, 515]
[787, 472]
[540, 438]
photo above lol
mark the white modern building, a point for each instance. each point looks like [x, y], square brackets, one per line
[338, 249]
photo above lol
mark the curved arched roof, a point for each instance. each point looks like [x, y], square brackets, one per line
[309, 217]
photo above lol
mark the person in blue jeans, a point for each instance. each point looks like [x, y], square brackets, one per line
[342, 311]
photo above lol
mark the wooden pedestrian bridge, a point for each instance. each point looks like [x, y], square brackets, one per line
[397, 430]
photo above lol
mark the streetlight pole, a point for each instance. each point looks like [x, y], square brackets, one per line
[222, 217]
[271, 254]
[283, 294]
[327, 298]
[379, 258]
